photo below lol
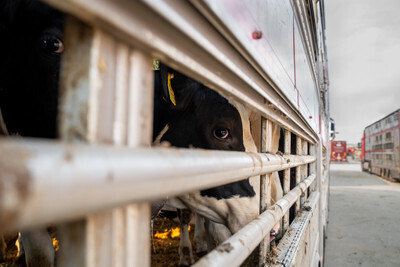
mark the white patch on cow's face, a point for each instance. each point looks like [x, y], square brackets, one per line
[274, 182]
[248, 140]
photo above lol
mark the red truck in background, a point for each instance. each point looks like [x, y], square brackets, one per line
[338, 151]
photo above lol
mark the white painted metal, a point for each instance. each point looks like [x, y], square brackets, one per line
[265, 184]
[304, 169]
[288, 247]
[98, 177]
[237, 248]
[286, 177]
[95, 64]
[298, 171]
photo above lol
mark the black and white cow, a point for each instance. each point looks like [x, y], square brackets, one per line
[196, 116]
[30, 50]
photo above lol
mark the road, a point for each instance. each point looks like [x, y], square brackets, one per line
[364, 219]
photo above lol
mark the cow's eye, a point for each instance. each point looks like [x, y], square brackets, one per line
[52, 44]
[221, 133]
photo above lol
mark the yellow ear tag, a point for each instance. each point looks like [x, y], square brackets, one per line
[170, 91]
[156, 64]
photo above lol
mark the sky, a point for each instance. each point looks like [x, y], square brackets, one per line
[363, 44]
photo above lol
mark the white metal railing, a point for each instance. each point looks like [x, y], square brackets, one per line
[236, 249]
[97, 177]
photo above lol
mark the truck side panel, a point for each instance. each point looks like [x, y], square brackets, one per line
[382, 151]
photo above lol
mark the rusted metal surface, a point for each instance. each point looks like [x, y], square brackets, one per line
[96, 177]
[265, 184]
[244, 241]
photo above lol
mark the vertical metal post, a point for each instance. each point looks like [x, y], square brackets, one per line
[286, 177]
[76, 87]
[317, 151]
[298, 170]
[313, 166]
[107, 97]
[265, 184]
[304, 168]
[140, 108]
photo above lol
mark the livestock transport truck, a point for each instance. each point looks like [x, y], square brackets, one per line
[96, 182]
[380, 148]
[339, 151]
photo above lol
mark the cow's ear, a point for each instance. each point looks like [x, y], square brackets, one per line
[161, 81]
[173, 86]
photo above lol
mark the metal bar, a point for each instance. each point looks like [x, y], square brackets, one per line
[323, 206]
[304, 169]
[102, 228]
[223, 69]
[286, 177]
[136, 238]
[265, 185]
[94, 65]
[298, 171]
[238, 247]
[113, 234]
[313, 166]
[60, 181]
[266, 144]
[78, 84]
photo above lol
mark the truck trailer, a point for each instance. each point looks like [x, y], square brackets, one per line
[380, 150]
[96, 182]
[339, 151]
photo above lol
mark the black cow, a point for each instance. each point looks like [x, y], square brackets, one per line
[196, 116]
[30, 50]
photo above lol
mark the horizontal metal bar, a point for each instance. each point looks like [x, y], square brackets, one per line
[238, 247]
[44, 182]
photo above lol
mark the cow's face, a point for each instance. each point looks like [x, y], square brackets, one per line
[217, 122]
[30, 51]
[196, 115]
[205, 120]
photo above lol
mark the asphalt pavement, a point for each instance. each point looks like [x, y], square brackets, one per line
[364, 219]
